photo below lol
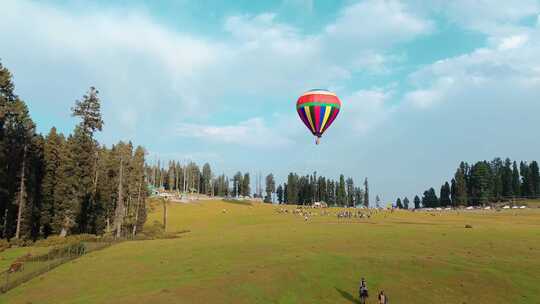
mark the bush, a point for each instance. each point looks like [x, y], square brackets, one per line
[71, 239]
[468, 226]
[70, 250]
[4, 244]
[20, 243]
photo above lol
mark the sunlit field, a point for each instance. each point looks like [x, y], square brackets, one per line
[250, 253]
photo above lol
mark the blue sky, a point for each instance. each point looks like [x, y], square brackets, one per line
[424, 84]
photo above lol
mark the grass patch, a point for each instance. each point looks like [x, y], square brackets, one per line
[252, 254]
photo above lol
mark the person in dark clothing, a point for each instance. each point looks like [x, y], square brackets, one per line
[363, 291]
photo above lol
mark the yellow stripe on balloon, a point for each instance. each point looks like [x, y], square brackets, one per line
[326, 115]
[309, 119]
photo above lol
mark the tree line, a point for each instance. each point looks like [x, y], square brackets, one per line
[65, 184]
[484, 182]
[304, 190]
[188, 177]
[307, 189]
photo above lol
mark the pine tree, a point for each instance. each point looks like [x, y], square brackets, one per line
[416, 202]
[341, 192]
[270, 188]
[54, 143]
[138, 184]
[292, 189]
[246, 187]
[525, 182]
[350, 191]
[453, 192]
[480, 181]
[516, 182]
[399, 205]
[366, 193]
[506, 176]
[445, 200]
[207, 179]
[430, 199]
[461, 186]
[88, 109]
[65, 192]
[406, 203]
[534, 180]
[496, 182]
[285, 194]
[279, 193]
[358, 197]
[237, 184]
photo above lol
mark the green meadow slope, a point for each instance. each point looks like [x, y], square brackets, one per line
[252, 254]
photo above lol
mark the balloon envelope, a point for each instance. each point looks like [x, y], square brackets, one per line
[318, 109]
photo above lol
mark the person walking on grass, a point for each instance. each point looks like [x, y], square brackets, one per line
[363, 291]
[383, 299]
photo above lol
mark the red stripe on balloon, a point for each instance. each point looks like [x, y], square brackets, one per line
[317, 114]
[318, 98]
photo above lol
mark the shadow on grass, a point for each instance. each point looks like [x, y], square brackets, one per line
[245, 203]
[348, 296]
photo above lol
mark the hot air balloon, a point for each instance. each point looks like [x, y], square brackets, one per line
[318, 109]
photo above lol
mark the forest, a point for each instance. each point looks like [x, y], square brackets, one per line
[61, 184]
[482, 183]
[298, 189]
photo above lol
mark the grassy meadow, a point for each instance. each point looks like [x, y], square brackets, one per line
[249, 253]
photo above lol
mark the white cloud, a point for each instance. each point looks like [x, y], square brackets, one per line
[425, 98]
[366, 109]
[492, 17]
[140, 67]
[513, 42]
[364, 31]
[374, 23]
[252, 132]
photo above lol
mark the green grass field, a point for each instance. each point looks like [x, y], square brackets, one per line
[251, 254]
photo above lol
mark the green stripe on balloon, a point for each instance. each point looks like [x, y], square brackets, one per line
[314, 103]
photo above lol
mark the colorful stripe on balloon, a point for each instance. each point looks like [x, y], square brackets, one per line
[318, 109]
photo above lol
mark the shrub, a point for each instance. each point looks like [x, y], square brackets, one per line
[69, 250]
[4, 244]
[20, 242]
[72, 239]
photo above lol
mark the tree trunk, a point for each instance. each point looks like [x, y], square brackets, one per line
[21, 197]
[68, 222]
[137, 208]
[185, 174]
[165, 215]
[96, 175]
[63, 232]
[120, 203]
[176, 177]
[4, 232]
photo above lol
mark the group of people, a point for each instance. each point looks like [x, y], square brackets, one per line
[351, 214]
[363, 294]
[306, 213]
